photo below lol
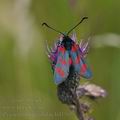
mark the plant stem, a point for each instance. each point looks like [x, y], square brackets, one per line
[79, 112]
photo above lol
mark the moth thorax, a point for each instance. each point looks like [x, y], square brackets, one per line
[67, 42]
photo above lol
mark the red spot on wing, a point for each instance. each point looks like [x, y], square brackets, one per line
[83, 68]
[61, 49]
[77, 60]
[60, 71]
[75, 47]
[70, 61]
[62, 61]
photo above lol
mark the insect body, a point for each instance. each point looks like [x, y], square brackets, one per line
[68, 54]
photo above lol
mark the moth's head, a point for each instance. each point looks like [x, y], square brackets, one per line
[67, 42]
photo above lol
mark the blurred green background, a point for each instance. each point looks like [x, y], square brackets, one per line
[27, 90]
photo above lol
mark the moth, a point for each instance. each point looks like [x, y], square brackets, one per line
[66, 54]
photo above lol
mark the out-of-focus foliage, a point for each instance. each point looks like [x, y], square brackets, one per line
[27, 90]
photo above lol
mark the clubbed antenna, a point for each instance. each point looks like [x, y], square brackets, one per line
[77, 24]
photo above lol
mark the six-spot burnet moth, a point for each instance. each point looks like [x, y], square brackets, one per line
[66, 53]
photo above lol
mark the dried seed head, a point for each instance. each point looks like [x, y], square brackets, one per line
[92, 90]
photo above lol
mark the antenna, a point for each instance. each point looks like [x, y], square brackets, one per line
[52, 28]
[77, 24]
